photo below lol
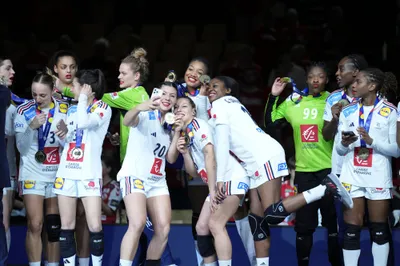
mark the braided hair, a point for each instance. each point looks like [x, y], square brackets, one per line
[386, 82]
[358, 61]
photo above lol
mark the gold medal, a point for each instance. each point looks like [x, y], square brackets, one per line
[286, 80]
[205, 79]
[363, 153]
[187, 139]
[171, 77]
[40, 156]
[344, 102]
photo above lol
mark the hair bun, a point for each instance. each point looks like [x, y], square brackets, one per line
[139, 53]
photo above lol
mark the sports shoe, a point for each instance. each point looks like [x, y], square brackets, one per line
[334, 186]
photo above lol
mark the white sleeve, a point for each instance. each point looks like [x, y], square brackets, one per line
[389, 146]
[201, 107]
[340, 148]
[222, 150]
[23, 133]
[203, 136]
[220, 114]
[327, 112]
[92, 119]
[398, 112]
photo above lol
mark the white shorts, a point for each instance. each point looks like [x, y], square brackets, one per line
[32, 187]
[150, 189]
[368, 192]
[13, 187]
[275, 167]
[77, 188]
[237, 186]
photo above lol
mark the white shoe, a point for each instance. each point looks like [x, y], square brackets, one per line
[334, 186]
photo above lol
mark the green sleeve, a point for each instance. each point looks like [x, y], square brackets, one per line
[126, 99]
[278, 112]
[66, 91]
[272, 112]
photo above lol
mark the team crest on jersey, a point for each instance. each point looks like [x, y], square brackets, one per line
[385, 111]
[243, 186]
[282, 167]
[63, 108]
[29, 184]
[59, 183]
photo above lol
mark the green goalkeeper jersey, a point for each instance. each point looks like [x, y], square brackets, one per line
[313, 153]
[125, 100]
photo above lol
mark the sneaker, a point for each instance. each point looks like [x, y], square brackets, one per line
[334, 186]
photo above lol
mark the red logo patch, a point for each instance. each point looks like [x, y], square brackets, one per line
[52, 155]
[309, 133]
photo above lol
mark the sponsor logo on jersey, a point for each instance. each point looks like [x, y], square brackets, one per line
[52, 155]
[203, 175]
[18, 125]
[30, 113]
[114, 95]
[309, 133]
[282, 167]
[385, 111]
[352, 124]
[29, 184]
[378, 190]
[244, 186]
[203, 137]
[358, 162]
[156, 168]
[63, 108]
[138, 184]
[59, 183]
[154, 134]
[91, 185]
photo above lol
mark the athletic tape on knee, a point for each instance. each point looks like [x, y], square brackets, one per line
[205, 245]
[53, 227]
[259, 230]
[276, 213]
[380, 233]
[97, 243]
[67, 243]
[351, 239]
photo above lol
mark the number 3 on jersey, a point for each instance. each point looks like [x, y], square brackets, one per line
[310, 113]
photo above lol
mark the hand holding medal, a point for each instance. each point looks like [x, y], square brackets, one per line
[205, 83]
[181, 145]
[348, 137]
[336, 109]
[279, 85]
[62, 129]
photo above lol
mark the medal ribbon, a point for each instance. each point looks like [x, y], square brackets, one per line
[303, 93]
[43, 134]
[79, 131]
[17, 100]
[367, 123]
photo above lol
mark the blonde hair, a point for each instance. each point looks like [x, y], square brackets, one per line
[138, 63]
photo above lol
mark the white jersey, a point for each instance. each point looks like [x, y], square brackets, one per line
[376, 170]
[148, 144]
[10, 136]
[247, 141]
[334, 98]
[28, 146]
[201, 101]
[84, 162]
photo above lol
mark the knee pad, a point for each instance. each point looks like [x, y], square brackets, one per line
[97, 243]
[195, 218]
[351, 239]
[67, 243]
[205, 245]
[259, 227]
[380, 233]
[53, 227]
[276, 213]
